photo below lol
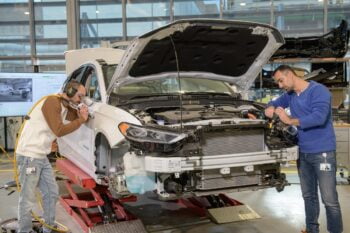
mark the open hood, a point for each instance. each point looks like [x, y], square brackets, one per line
[231, 51]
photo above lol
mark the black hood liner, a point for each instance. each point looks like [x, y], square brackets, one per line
[230, 51]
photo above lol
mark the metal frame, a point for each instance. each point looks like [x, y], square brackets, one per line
[32, 33]
[181, 164]
[73, 29]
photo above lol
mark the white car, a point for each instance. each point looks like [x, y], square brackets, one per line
[167, 112]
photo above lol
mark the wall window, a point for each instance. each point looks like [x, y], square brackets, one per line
[14, 28]
[13, 66]
[196, 9]
[100, 20]
[52, 66]
[257, 11]
[299, 18]
[338, 10]
[144, 16]
[50, 26]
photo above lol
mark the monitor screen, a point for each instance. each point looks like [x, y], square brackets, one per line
[19, 91]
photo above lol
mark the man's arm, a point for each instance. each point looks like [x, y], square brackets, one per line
[52, 113]
[285, 118]
[282, 101]
[320, 108]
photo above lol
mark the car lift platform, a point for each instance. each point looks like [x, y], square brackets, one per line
[219, 208]
[95, 210]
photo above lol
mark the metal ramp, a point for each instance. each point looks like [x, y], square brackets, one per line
[232, 214]
[220, 208]
[132, 226]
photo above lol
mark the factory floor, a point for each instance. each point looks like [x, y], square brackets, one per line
[280, 212]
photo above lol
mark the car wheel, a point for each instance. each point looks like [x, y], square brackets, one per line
[102, 154]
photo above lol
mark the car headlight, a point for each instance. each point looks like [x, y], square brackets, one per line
[142, 134]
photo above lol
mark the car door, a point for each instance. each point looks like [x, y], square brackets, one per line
[79, 145]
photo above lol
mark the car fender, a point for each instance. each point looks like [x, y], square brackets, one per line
[107, 119]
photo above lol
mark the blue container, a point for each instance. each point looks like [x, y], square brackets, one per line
[139, 184]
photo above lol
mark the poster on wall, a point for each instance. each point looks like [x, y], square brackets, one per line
[19, 91]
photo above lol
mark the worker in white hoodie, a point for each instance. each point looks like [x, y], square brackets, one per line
[44, 124]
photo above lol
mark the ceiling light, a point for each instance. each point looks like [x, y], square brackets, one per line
[320, 0]
[26, 12]
[242, 4]
[97, 12]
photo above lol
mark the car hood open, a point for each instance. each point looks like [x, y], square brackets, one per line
[231, 51]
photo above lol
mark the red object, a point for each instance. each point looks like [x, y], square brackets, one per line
[199, 205]
[82, 206]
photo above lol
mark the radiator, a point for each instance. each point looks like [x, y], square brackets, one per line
[233, 141]
[212, 179]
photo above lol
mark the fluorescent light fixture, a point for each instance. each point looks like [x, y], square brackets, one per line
[320, 0]
[97, 11]
[26, 12]
[242, 4]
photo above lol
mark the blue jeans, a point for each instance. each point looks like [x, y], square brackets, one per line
[35, 173]
[311, 176]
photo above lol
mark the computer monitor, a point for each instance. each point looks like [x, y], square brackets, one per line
[19, 91]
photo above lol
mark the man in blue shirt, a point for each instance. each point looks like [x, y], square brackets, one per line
[310, 107]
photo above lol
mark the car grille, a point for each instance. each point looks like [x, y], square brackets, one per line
[212, 179]
[233, 141]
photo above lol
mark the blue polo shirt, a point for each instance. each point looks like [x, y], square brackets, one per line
[313, 109]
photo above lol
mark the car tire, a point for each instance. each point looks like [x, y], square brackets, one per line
[102, 153]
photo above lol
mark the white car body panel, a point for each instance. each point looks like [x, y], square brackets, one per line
[79, 145]
[74, 58]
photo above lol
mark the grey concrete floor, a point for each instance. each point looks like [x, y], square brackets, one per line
[280, 212]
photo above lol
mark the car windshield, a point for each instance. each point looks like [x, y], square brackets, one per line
[171, 86]
[108, 72]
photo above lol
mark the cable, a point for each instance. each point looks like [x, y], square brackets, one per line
[41, 221]
[7, 170]
[5, 152]
[179, 81]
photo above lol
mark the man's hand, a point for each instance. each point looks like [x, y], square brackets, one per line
[283, 115]
[54, 146]
[269, 111]
[83, 112]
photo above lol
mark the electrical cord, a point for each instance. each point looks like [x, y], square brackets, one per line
[179, 81]
[6, 160]
[5, 152]
[62, 228]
